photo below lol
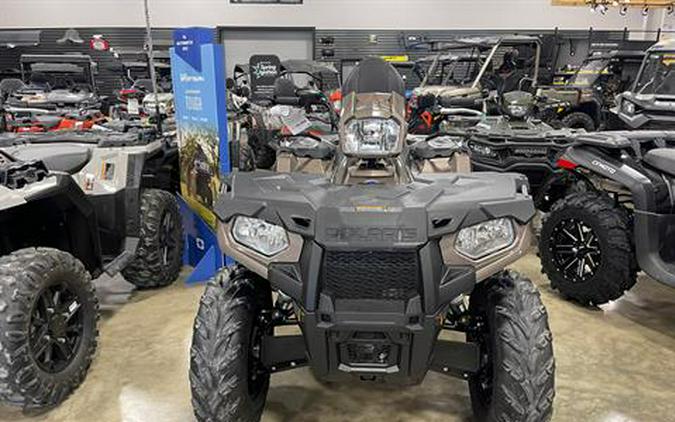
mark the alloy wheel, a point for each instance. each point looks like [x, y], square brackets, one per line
[56, 328]
[576, 250]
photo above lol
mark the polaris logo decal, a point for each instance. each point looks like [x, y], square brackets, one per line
[606, 167]
[372, 234]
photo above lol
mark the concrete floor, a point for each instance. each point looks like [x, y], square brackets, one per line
[613, 365]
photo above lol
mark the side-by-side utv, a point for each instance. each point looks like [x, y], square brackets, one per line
[372, 259]
[650, 104]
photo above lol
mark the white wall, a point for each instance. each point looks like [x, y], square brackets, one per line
[327, 14]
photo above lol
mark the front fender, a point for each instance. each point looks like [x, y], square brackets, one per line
[637, 183]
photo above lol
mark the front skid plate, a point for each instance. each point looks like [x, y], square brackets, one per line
[457, 359]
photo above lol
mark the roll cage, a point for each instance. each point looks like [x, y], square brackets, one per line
[484, 51]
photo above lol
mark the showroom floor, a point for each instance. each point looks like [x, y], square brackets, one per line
[613, 365]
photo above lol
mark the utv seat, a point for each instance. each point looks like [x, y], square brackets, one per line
[62, 158]
[9, 86]
[662, 159]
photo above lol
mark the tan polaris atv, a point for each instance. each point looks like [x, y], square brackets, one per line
[372, 260]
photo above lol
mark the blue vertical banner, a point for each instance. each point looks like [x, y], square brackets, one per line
[198, 73]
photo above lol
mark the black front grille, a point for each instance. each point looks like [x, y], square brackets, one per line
[380, 275]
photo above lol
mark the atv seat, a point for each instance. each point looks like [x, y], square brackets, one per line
[63, 158]
[662, 159]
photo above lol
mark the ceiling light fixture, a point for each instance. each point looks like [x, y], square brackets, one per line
[623, 11]
[645, 11]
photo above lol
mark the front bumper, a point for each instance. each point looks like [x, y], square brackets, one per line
[384, 330]
[647, 120]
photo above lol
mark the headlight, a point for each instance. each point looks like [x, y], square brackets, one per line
[371, 137]
[517, 110]
[486, 238]
[628, 107]
[261, 236]
[482, 149]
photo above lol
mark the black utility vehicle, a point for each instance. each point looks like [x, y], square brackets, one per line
[56, 82]
[593, 243]
[372, 260]
[650, 104]
[73, 206]
[585, 100]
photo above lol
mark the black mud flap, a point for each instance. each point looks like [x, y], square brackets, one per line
[455, 358]
[282, 353]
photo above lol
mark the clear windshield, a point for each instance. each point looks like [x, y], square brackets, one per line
[58, 76]
[657, 77]
[589, 73]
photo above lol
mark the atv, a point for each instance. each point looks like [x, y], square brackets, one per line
[301, 103]
[519, 142]
[591, 92]
[372, 260]
[651, 102]
[72, 207]
[595, 241]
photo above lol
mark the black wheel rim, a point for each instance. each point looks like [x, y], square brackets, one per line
[484, 378]
[256, 369]
[575, 247]
[167, 240]
[56, 328]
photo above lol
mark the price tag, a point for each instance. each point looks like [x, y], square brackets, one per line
[296, 123]
[133, 106]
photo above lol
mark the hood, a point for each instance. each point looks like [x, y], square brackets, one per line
[458, 200]
[650, 101]
[566, 93]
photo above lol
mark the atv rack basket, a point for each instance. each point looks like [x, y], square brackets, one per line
[17, 174]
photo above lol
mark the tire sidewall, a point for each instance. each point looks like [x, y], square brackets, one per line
[48, 267]
[219, 379]
[502, 301]
[148, 269]
[579, 120]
